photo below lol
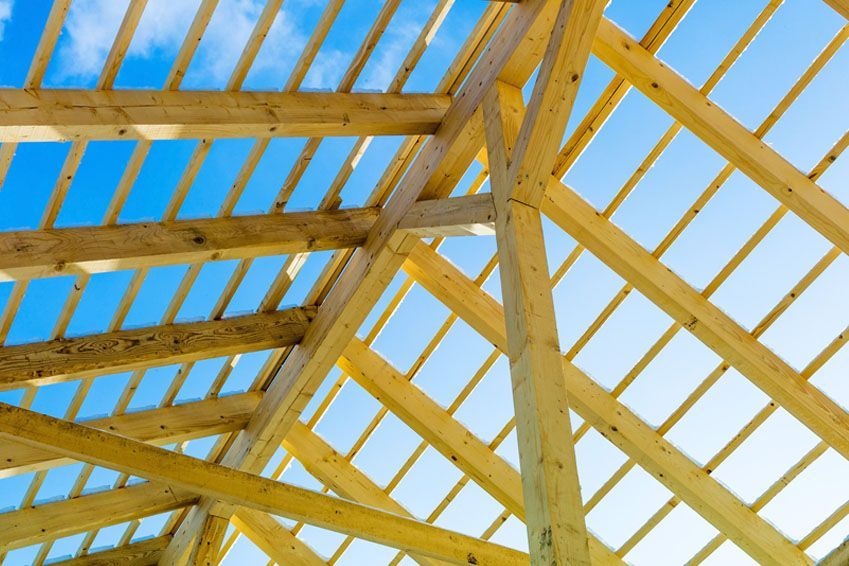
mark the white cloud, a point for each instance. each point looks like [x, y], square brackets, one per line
[5, 15]
[390, 54]
[92, 25]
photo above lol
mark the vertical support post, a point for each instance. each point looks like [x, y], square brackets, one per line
[522, 150]
[554, 509]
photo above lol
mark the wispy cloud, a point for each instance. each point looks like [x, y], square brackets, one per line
[5, 15]
[389, 55]
[92, 25]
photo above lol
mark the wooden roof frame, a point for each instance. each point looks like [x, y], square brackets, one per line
[477, 113]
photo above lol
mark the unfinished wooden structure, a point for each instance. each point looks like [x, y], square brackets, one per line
[479, 118]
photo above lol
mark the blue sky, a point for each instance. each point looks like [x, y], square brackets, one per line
[786, 46]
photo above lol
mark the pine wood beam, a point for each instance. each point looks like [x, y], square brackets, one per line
[512, 55]
[64, 359]
[724, 134]
[32, 254]
[554, 512]
[839, 6]
[839, 556]
[80, 115]
[243, 489]
[445, 434]
[81, 251]
[336, 472]
[274, 540]
[143, 553]
[160, 426]
[469, 215]
[695, 313]
[34, 525]
[522, 145]
[208, 544]
[534, 149]
[655, 454]
[442, 279]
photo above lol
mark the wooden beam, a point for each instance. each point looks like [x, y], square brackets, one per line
[82, 251]
[205, 551]
[160, 426]
[724, 134]
[34, 525]
[839, 556]
[512, 54]
[445, 434]
[79, 115]
[839, 6]
[441, 278]
[658, 456]
[91, 512]
[557, 533]
[337, 473]
[143, 553]
[534, 148]
[243, 489]
[278, 543]
[695, 313]
[64, 359]
[470, 215]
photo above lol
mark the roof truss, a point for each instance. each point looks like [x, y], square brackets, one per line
[477, 113]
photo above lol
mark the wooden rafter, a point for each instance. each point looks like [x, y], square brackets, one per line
[84, 251]
[81, 115]
[371, 270]
[41, 363]
[371, 244]
[65, 518]
[522, 147]
[445, 434]
[160, 426]
[724, 134]
[244, 489]
[147, 551]
[684, 304]
[651, 451]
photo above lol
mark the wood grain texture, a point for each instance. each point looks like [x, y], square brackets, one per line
[513, 53]
[38, 524]
[723, 133]
[239, 488]
[274, 540]
[699, 316]
[143, 553]
[83, 251]
[657, 456]
[64, 359]
[557, 532]
[344, 478]
[445, 434]
[80, 115]
[157, 426]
